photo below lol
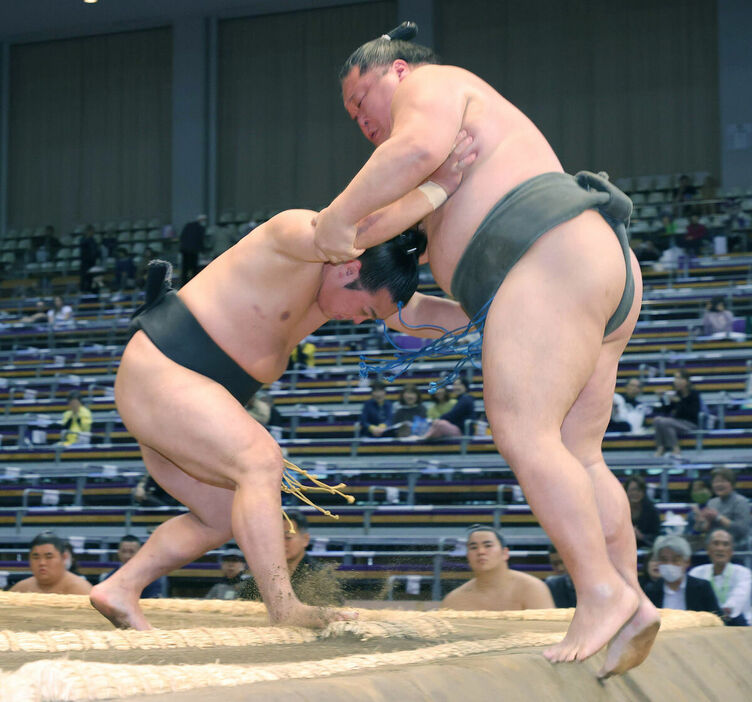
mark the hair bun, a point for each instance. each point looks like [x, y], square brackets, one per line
[404, 32]
[413, 241]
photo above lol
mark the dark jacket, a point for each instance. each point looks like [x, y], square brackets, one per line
[373, 413]
[686, 408]
[699, 595]
[461, 412]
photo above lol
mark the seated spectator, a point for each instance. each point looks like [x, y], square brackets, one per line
[127, 548]
[60, 314]
[233, 566]
[628, 413]
[303, 357]
[675, 589]
[411, 414]
[89, 255]
[452, 423]
[47, 564]
[718, 322]
[645, 517]
[149, 493]
[494, 586]
[76, 422]
[125, 269]
[684, 193]
[727, 510]
[696, 236]
[680, 412]
[731, 583]
[442, 403]
[38, 316]
[261, 408]
[377, 415]
[313, 583]
[560, 583]
[700, 493]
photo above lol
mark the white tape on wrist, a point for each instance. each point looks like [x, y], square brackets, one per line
[434, 192]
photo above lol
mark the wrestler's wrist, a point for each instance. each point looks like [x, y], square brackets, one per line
[435, 194]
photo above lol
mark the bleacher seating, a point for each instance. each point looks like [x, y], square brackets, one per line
[413, 498]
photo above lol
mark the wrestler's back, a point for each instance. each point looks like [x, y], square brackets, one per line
[510, 149]
[256, 302]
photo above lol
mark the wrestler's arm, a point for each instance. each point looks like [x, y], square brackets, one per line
[415, 205]
[427, 116]
[428, 309]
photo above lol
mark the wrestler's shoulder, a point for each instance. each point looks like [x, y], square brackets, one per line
[25, 585]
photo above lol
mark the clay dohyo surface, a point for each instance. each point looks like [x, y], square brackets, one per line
[405, 656]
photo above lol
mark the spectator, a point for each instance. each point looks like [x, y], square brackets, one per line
[38, 315]
[60, 314]
[727, 510]
[233, 566]
[645, 518]
[681, 412]
[127, 548]
[452, 423]
[76, 421]
[645, 250]
[494, 585]
[377, 415]
[149, 493]
[442, 403]
[697, 234]
[89, 257]
[303, 357]
[731, 583]
[628, 413]
[48, 573]
[125, 269]
[675, 589]
[560, 584]
[718, 322]
[312, 582]
[685, 192]
[410, 416]
[191, 245]
[700, 493]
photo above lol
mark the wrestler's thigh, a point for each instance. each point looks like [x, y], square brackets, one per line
[586, 422]
[212, 505]
[543, 337]
[189, 419]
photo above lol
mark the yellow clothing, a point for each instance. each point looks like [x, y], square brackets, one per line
[308, 351]
[75, 425]
[437, 409]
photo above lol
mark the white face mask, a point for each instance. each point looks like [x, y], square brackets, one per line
[671, 573]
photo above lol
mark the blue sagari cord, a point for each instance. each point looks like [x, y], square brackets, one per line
[449, 344]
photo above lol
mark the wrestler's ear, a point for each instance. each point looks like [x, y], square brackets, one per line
[351, 269]
[401, 68]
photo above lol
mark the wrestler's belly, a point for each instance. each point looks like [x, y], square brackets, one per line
[453, 225]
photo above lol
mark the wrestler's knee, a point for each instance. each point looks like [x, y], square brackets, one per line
[519, 439]
[260, 462]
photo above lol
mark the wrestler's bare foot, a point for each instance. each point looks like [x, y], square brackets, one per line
[312, 617]
[600, 613]
[118, 605]
[632, 644]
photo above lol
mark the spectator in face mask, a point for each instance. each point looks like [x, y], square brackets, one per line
[675, 589]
